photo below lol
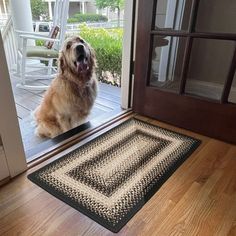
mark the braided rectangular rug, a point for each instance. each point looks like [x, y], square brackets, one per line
[111, 177]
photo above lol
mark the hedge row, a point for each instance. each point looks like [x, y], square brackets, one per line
[79, 18]
[108, 48]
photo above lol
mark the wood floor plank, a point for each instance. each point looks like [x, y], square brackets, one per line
[15, 221]
[180, 219]
[18, 200]
[232, 231]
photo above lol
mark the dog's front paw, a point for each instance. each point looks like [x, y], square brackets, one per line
[44, 132]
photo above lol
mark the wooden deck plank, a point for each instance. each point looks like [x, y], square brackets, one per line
[36, 97]
[110, 98]
[27, 103]
[102, 107]
[107, 88]
[95, 112]
[107, 103]
[22, 112]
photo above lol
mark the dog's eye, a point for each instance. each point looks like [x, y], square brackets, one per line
[68, 46]
[81, 40]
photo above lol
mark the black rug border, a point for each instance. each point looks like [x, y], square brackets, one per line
[115, 229]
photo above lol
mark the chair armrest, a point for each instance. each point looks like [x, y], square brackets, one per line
[19, 32]
[26, 36]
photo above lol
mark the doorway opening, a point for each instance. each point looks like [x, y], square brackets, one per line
[108, 101]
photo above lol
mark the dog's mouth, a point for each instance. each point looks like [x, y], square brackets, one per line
[81, 63]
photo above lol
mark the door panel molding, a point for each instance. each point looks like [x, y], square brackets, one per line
[142, 52]
[127, 53]
[185, 110]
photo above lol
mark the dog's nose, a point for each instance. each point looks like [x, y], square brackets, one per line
[80, 49]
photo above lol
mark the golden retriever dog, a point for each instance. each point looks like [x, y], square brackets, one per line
[71, 95]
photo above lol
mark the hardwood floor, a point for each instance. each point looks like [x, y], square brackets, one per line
[198, 199]
[106, 105]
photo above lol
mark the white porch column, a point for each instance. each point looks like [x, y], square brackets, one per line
[50, 9]
[108, 13]
[5, 7]
[83, 7]
[21, 15]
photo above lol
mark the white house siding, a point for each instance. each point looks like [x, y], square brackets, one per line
[91, 7]
[74, 8]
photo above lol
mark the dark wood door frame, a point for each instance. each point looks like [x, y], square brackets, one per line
[209, 117]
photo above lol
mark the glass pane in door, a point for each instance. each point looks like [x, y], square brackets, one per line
[167, 61]
[208, 69]
[216, 16]
[172, 14]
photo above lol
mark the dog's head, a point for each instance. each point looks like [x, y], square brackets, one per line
[77, 57]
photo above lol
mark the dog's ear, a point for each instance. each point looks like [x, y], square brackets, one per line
[61, 63]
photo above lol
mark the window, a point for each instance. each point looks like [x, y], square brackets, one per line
[44, 28]
[194, 48]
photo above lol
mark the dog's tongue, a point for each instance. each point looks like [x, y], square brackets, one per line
[82, 65]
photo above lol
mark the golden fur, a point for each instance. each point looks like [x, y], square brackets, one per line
[71, 95]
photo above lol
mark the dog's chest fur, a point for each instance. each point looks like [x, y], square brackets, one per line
[77, 99]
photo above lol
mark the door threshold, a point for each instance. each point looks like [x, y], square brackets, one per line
[5, 181]
[58, 144]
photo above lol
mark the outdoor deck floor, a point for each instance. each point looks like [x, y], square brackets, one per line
[107, 104]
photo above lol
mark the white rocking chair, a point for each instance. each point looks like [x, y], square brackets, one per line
[27, 55]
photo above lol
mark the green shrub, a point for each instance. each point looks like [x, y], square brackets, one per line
[108, 48]
[78, 18]
[40, 42]
[72, 20]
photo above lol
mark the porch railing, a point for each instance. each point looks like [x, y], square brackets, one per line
[10, 45]
[3, 19]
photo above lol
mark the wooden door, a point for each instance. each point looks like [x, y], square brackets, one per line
[4, 171]
[197, 50]
[11, 147]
